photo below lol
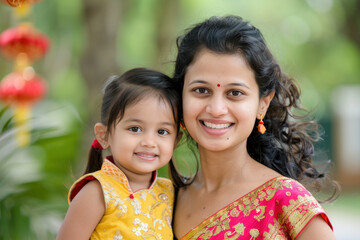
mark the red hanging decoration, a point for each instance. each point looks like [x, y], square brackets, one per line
[22, 88]
[19, 3]
[23, 39]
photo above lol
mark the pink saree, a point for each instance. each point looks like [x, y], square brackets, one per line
[279, 209]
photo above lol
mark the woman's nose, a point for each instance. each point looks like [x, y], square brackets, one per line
[217, 106]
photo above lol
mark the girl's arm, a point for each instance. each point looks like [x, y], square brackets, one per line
[84, 213]
[317, 229]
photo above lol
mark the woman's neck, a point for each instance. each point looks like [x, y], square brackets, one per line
[222, 168]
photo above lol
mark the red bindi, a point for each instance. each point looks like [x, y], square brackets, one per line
[218, 85]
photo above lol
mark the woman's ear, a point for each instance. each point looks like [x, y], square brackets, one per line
[101, 134]
[265, 102]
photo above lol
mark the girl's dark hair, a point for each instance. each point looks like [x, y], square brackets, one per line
[287, 146]
[122, 91]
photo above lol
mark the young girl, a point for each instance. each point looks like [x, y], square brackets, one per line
[238, 106]
[122, 197]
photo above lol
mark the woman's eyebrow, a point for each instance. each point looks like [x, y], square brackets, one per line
[230, 84]
[238, 84]
[198, 81]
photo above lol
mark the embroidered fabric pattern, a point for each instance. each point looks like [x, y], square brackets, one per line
[145, 215]
[279, 209]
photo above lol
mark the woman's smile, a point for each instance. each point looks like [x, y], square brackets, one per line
[215, 126]
[213, 113]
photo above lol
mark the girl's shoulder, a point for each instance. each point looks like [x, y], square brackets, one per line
[165, 185]
[164, 181]
[79, 184]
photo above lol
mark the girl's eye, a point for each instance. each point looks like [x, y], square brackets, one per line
[163, 132]
[134, 129]
[235, 93]
[201, 90]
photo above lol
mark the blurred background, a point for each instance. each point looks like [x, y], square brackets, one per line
[45, 135]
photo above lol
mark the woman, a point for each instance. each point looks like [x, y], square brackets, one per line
[238, 108]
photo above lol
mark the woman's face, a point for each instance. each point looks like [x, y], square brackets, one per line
[221, 100]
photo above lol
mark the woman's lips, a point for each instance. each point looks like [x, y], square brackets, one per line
[216, 128]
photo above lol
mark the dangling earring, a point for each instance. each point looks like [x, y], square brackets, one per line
[261, 127]
[182, 125]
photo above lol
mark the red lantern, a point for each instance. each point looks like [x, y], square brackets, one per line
[23, 39]
[21, 90]
[19, 3]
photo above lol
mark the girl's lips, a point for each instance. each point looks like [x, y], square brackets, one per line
[146, 156]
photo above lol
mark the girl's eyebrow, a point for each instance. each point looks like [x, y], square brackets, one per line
[132, 120]
[139, 121]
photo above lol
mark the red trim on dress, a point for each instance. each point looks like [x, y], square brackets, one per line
[79, 186]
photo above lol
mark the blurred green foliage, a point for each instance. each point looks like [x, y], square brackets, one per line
[34, 179]
[307, 37]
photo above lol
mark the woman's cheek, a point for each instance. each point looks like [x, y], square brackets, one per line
[190, 110]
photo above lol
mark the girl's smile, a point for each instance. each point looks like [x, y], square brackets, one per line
[144, 139]
[146, 156]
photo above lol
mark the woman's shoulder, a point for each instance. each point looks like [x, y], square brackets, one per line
[295, 206]
[291, 196]
[286, 186]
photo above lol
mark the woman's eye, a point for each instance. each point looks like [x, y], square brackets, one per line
[134, 129]
[201, 90]
[235, 93]
[163, 132]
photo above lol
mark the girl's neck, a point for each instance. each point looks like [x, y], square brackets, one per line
[137, 181]
[140, 182]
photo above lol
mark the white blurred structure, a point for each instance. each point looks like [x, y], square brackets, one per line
[346, 110]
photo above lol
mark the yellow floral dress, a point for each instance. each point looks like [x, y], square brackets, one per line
[145, 214]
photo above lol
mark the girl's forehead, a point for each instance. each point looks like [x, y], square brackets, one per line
[153, 102]
[151, 96]
[150, 109]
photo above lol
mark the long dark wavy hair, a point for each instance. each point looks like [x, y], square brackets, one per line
[127, 89]
[287, 146]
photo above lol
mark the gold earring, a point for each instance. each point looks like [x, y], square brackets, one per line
[182, 125]
[261, 127]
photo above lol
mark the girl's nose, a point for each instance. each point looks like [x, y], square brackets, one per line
[148, 140]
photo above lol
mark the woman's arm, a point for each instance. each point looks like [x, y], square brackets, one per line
[317, 229]
[84, 213]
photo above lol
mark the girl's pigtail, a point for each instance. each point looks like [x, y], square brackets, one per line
[95, 157]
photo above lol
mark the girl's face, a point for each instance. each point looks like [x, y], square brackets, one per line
[144, 139]
[221, 100]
